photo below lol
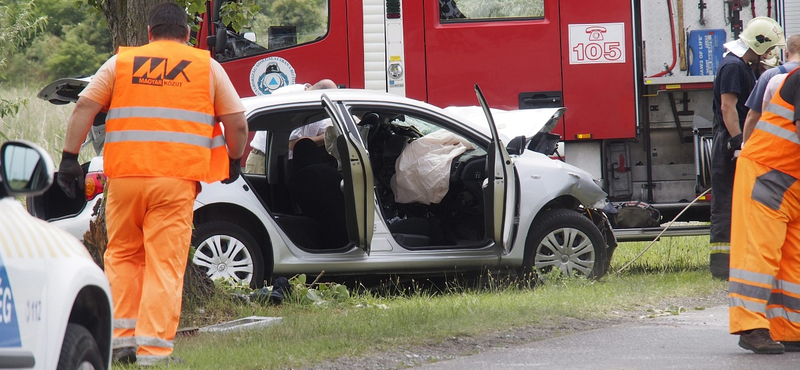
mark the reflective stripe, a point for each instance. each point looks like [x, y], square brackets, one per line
[787, 286]
[784, 300]
[158, 136]
[217, 141]
[123, 342]
[124, 323]
[778, 131]
[154, 342]
[720, 248]
[782, 111]
[770, 187]
[150, 360]
[754, 277]
[166, 113]
[776, 312]
[748, 305]
[750, 291]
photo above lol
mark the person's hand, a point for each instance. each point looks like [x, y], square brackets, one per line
[234, 170]
[70, 174]
[735, 143]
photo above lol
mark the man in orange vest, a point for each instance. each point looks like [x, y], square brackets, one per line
[765, 238]
[167, 103]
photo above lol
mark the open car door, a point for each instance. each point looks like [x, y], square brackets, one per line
[498, 192]
[359, 193]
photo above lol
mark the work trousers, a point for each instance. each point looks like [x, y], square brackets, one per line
[765, 252]
[723, 168]
[149, 231]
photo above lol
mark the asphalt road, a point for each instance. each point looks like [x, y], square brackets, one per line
[691, 340]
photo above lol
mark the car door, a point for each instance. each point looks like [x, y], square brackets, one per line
[500, 197]
[357, 176]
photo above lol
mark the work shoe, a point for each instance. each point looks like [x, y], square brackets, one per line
[719, 263]
[759, 341]
[123, 356]
[791, 346]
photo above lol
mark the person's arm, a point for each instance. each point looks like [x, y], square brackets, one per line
[729, 114]
[235, 133]
[750, 124]
[80, 122]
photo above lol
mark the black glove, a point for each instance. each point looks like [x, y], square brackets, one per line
[234, 170]
[70, 174]
[735, 143]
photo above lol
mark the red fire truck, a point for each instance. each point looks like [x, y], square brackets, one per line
[635, 76]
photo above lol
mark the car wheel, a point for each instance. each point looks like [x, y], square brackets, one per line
[79, 350]
[566, 240]
[226, 250]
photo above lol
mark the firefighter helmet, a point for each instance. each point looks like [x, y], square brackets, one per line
[761, 34]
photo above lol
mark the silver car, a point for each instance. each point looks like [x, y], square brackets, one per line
[400, 186]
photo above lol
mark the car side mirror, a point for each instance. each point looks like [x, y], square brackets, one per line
[517, 145]
[26, 169]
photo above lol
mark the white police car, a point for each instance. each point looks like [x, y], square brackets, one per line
[55, 302]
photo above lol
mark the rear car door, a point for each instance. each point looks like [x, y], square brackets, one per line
[357, 174]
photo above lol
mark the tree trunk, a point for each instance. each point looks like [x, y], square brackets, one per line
[127, 20]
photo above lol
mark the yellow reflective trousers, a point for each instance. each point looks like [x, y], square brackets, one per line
[149, 231]
[765, 252]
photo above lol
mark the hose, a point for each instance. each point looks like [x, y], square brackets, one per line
[672, 33]
[623, 268]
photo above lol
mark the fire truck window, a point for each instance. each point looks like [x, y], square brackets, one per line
[280, 24]
[462, 10]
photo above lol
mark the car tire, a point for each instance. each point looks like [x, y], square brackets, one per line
[79, 350]
[226, 250]
[564, 239]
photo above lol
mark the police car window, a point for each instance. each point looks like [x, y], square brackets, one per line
[462, 10]
[278, 25]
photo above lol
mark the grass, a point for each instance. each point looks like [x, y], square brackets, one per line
[39, 122]
[672, 271]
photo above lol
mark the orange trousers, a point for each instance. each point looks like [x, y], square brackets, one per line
[765, 252]
[149, 231]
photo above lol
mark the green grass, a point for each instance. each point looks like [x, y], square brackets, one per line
[38, 121]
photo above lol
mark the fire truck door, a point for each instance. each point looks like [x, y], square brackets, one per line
[508, 52]
[292, 50]
[598, 69]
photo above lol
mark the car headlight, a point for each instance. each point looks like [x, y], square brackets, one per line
[598, 182]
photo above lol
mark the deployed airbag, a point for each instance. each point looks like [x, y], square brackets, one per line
[422, 172]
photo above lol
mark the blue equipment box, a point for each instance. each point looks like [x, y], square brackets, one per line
[705, 51]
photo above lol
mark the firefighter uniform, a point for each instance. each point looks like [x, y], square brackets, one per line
[765, 239]
[157, 149]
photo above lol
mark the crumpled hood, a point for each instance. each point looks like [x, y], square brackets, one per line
[64, 90]
[510, 124]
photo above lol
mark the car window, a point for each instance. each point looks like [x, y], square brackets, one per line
[277, 25]
[465, 10]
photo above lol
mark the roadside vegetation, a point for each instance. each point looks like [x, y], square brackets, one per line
[322, 323]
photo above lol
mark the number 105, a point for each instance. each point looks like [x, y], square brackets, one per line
[596, 51]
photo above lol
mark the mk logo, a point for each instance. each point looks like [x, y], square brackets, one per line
[155, 71]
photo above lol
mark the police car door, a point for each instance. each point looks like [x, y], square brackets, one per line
[357, 174]
[500, 197]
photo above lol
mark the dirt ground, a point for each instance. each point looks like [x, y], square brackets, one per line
[403, 358]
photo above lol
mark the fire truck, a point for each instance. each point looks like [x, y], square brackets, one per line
[635, 76]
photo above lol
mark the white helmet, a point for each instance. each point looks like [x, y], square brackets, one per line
[761, 34]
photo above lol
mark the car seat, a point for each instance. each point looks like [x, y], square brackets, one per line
[315, 188]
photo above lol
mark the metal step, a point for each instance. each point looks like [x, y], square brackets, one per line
[650, 233]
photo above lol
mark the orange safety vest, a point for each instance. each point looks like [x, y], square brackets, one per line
[161, 120]
[774, 142]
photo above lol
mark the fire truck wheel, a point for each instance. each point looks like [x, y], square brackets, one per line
[565, 240]
[225, 250]
[79, 350]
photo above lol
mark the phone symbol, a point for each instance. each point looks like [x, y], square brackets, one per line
[596, 33]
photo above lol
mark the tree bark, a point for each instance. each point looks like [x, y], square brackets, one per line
[127, 20]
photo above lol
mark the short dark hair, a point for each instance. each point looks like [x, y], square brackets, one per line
[167, 20]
